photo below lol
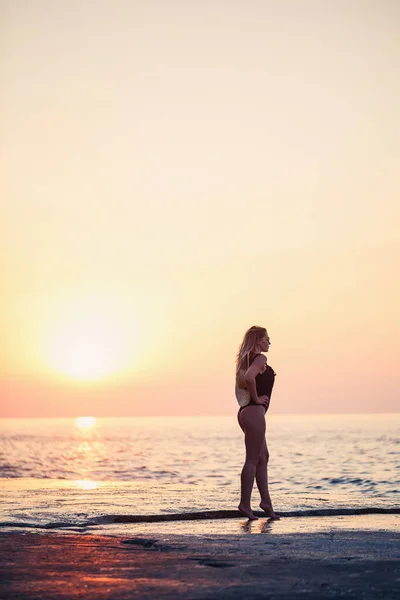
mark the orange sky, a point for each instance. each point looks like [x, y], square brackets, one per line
[175, 172]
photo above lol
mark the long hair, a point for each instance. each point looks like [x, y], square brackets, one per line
[248, 345]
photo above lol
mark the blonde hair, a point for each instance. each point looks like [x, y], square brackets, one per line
[248, 345]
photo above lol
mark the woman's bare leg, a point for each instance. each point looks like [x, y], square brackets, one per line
[252, 422]
[262, 482]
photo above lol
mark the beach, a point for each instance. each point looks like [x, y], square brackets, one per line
[110, 513]
[320, 557]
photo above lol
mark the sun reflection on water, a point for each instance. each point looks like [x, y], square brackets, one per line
[86, 484]
[85, 422]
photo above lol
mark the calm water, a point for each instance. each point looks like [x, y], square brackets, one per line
[53, 469]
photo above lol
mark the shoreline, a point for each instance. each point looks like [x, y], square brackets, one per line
[160, 564]
[106, 521]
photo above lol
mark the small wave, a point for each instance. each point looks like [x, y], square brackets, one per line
[200, 516]
[232, 514]
[358, 481]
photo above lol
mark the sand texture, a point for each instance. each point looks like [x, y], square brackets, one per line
[348, 564]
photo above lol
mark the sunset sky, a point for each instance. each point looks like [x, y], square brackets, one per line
[175, 171]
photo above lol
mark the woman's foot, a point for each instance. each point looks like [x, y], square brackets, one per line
[247, 512]
[267, 508]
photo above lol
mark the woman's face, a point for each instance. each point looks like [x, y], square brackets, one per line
[264, 343]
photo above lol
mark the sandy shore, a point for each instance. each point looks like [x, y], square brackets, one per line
[328, 562]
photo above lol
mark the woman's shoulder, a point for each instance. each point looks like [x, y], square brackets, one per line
[257, 355]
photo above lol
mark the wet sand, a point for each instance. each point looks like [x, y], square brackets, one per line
[352, 557]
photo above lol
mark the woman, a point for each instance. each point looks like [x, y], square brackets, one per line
[253, 373]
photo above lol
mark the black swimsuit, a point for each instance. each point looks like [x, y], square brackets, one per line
[264, 384]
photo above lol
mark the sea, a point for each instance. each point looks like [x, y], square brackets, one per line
[84, 474]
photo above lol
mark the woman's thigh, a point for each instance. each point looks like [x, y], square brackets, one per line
[252, 421]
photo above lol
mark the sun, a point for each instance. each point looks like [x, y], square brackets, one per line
[91, 345]
[86, 353]
[82, 357]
